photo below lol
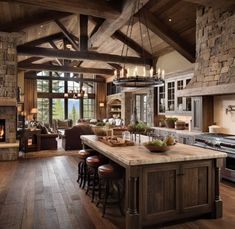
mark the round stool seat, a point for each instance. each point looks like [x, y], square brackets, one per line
[93, 161]
[83, 154]
[109, 171]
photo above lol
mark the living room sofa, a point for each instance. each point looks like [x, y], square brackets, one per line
[71, 138]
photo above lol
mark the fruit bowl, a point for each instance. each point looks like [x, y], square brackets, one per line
[159, 145]
[156, 148]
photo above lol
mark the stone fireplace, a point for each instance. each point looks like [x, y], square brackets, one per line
[9, 147]
[2, 130]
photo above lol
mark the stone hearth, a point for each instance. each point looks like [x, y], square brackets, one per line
[8, 85]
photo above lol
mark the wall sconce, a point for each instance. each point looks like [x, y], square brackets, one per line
[101, 104]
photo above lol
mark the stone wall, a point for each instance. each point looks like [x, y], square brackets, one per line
[8, 65]
[215, 48]
[8, 92]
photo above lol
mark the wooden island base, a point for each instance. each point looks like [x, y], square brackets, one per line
[182, 183]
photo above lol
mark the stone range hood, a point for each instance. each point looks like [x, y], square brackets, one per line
[214, 72]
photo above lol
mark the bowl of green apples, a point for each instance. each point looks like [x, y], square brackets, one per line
[158, 145]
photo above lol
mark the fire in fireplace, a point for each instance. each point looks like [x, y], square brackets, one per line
[2, 130]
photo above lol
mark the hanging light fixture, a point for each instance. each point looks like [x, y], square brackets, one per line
[145, 77]
[76, 94]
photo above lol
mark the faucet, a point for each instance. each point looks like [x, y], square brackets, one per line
[230, 108]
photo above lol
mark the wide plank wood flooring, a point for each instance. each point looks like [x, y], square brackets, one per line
[43, 193]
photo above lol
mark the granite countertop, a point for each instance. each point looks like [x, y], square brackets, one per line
[185, 132]
[139, 155]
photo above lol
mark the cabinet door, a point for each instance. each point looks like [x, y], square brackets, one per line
[160, 185]
[197, 113]
[196, 187]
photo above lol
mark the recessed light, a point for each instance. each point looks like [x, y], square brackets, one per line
[41, 26]
[169, 19]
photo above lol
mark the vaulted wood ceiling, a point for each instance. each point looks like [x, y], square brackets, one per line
[46, 23]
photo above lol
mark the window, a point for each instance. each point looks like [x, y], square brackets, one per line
[58, 109]
[171, 96]
[42, 85]
[43, 110]
[74, 110]
[73, 86]
[141, 107]
[161, 99]
[89, 87]
[89, 108]
[57, 86]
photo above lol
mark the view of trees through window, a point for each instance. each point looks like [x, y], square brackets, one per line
[74, 109]
[43, 110]
[52, 104]
[57, 108]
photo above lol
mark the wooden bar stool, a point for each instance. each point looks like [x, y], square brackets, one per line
[109, 174]
[93, 162]
[82, 167]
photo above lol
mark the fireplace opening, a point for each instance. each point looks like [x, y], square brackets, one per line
[2, 130]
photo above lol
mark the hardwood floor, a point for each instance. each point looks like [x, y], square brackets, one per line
[43, 193]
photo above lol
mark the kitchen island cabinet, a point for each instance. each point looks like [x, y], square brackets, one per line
[161, 187]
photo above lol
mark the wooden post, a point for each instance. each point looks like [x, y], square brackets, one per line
[132, 200]
[218, 212]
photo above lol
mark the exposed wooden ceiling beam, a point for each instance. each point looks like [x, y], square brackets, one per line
[213, 3]
[67, 35]
[71, 55]
[47, 67]
[83, 32]
[29, 60]
[53, 45]
[169, 36]
[132, 44]
[109, 9]
[37, 18]
[109, 26]
[77, 79]
[42, 40]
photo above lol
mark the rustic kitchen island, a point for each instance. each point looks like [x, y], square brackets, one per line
[160, 187]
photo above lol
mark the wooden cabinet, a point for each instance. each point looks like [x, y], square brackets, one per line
[202, 115]
[196, 190]
[160, 188]
[169, 102]
[177, 190]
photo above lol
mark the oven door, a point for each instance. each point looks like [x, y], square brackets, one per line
[228, 170]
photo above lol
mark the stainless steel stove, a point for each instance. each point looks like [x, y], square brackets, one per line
[224, 143]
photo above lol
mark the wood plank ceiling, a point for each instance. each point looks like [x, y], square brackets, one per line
[171, 23]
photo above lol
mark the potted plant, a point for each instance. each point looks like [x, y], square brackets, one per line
[170, 122]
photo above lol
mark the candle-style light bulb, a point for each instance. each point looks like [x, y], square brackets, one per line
[127, 73]
[115, 73]
[122, 72]
[151, 72]
[135, 71]
[144, 71]
[163, 74]
[158, 72]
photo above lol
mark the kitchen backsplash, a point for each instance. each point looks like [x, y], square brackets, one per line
[225, 121]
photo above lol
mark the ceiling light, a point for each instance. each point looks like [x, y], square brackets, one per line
[169, 19]
[141, 76]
